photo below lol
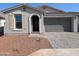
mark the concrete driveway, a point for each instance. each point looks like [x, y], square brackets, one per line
[63, 39]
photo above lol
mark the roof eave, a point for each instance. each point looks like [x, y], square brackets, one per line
[8, 9]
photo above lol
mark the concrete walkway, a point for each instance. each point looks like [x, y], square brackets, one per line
[56, 52]
[63, 39]
[38, 35]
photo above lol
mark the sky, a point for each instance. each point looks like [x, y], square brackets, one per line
[68, 7]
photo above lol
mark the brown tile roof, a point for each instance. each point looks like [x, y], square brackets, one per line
[20, 5]
[73, 12]
[51, 9]
[40, 9]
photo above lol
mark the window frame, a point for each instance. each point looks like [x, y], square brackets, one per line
[15, 28]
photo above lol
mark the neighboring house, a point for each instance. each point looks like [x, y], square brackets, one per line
[26, 19]
[2, 22]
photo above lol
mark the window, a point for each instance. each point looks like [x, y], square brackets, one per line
[18, 21]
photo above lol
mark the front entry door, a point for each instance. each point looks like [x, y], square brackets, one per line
[35, 23]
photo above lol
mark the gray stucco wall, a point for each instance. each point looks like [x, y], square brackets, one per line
[57, 24]
[9, 24]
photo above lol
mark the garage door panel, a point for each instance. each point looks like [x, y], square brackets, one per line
[54, 28]
[57, 24]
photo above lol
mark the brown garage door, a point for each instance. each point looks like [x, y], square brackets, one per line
[57, 24]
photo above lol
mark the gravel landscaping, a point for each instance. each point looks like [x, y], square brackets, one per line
[22, 44]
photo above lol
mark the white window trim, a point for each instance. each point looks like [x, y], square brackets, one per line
[17, 29]
[14, 22]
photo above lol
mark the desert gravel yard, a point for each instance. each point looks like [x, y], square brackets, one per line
[50, 44]
[63, 39]
[21, 45]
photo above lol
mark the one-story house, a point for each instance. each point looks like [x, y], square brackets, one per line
[27, 19]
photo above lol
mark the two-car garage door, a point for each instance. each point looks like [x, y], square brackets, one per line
[57, 24]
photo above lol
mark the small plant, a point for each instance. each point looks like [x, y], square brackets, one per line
[15, 50]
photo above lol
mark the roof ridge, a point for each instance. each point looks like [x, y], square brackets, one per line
[12, 7]
[23, 4]
[45, 5]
